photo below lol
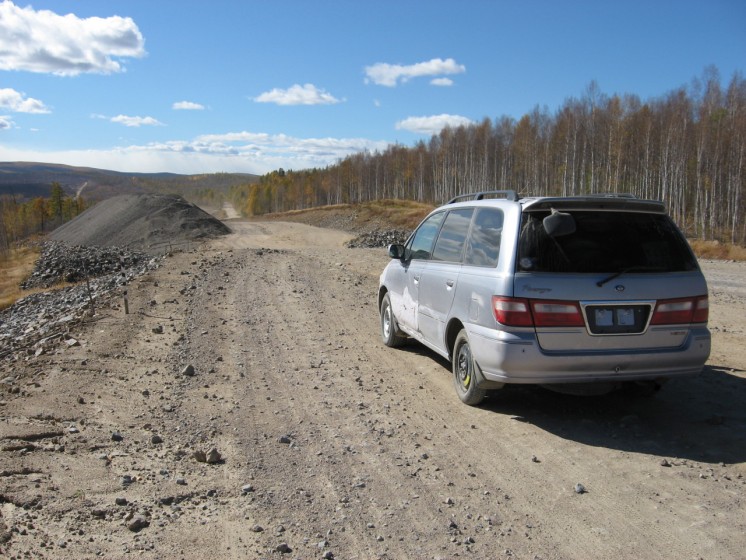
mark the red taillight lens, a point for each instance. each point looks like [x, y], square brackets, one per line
[701, 310]
[512, 312]
[517, 312]
[681, 311]
[556, 313]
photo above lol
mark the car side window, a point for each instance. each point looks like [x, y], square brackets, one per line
[483, 245]
[422, 242]
[450, 244]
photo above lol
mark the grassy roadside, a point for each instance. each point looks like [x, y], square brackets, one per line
[718, 251]
[13, 270]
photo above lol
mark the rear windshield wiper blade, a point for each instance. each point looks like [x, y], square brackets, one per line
[630, 269]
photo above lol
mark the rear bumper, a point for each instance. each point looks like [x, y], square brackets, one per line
[516, 357]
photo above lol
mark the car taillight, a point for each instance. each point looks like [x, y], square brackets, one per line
[512, 312]
[701, 310]
[556, 313]
[517, 312]
[681, 311]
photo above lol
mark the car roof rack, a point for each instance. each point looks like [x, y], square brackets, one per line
[610, 195]
[509, 195]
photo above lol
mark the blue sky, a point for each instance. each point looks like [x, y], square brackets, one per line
[251, 86]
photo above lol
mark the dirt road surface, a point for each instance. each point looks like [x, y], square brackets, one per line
[333, 446]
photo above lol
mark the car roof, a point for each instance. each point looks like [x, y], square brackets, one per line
[601, 201]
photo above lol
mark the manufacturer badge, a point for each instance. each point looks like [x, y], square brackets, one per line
[619, 288]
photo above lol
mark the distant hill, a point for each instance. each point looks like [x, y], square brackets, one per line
[29, 179]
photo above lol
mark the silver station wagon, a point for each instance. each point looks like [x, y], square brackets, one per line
[567, 292]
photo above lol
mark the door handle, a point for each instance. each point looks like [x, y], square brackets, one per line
[450, 283]
[416, 279]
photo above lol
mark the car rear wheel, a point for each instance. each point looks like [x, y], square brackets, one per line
[465, 372]
[390, 333]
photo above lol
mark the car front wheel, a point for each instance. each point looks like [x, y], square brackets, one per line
[465, 372]
[390, 333]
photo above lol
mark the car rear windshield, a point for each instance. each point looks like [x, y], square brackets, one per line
[604, 241]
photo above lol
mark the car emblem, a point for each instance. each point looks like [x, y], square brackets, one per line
[619, 288]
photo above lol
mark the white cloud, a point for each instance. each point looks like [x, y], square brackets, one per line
[433, 124]
[307, 94]
[5, 122]
[187, 106]
[45, 42]
[17, 102]
[389, 75]
[135, 121]
[237, 152]
[443, 82]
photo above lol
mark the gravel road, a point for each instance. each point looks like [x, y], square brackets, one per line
[327, 444]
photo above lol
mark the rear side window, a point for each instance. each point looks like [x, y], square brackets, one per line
[422, 242]
[450, 244]
[605, 242]
[483, 246]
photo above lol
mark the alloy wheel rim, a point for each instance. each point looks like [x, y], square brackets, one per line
[463, 368]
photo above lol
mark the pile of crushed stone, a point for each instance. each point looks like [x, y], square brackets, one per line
[60, 262]
[154, 223]
[379, 238]
[39, 322]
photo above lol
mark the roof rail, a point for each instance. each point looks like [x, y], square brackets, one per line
[610, 195]
[509, 195]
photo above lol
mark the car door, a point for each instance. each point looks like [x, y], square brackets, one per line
[417, 252]
[439, 277]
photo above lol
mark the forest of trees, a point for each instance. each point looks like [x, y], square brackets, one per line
[687, 148]
[20, 220]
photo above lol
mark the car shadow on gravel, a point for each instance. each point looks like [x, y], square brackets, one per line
[699, 418]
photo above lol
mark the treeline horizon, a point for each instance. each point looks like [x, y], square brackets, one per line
[686, 148]
[22, 220]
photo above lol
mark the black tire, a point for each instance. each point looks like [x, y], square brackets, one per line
[390, 333]
[466, 372]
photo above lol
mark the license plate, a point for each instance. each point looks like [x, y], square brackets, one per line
[612, 319]
[609, 317]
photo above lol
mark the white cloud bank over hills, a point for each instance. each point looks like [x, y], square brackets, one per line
[236, 152]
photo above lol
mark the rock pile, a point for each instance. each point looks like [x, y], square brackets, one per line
[62, 263]
[379, 238]
[39, 321]
[148, 222]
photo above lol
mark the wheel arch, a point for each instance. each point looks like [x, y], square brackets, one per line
[454, 327]
[382, 291]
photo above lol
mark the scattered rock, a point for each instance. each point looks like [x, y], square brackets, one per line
[188, 370]
[136, 522]
[580, 489]
[213, 456]
[379, 238]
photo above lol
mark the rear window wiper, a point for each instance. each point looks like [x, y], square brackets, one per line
[637, 268]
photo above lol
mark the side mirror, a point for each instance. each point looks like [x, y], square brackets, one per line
[558, 224]
[396, 251]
